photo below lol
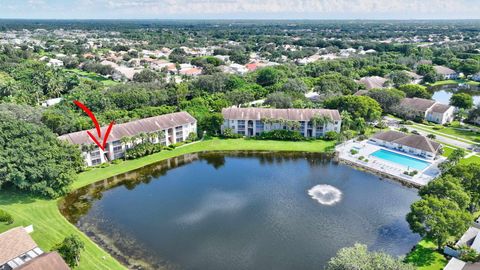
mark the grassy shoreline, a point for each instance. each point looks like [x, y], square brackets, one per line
[51, 227]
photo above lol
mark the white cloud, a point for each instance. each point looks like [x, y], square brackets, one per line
[258, 9]
[215, 202]
[295, 6]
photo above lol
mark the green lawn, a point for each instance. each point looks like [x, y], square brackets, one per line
[472, 159]
[92, 76]
[460, 134]
[447, 151]
[51, 227]
[447, 82]
[426, 257]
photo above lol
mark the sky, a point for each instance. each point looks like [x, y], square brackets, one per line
[240, 9]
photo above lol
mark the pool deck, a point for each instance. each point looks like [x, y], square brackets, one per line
[386, 168]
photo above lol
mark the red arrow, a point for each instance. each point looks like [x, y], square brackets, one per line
[97, 126]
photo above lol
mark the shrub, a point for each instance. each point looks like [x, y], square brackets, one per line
[468, 254]
[353, 151]
[361, 158]
[281, 135]
[5, 217]
[412, 173]
[117, 161]
[404, 129]
[348, 134]
[438, 127]
[431, 136]
[415, 132]
[143, 149]
[362, 137]
[331, 136]
[104, 165]
[406, 122]
[228, 133]
[192, 137]
[70, 249]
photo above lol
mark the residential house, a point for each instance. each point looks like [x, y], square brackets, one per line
[46, 261]
[190, 71]
[446, 73]
[455, 264]
[253, 121]
[373, 82]
[234, 68]
[425, 109]
[409, 143]
[174, 128]
[416, 79]
[18, 251]
[51, 102]
[127, 72]
[55, 63]
[471, 238]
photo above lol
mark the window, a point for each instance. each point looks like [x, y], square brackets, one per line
[96, 161]
[259, 125]
[95, 154]
[117, 146]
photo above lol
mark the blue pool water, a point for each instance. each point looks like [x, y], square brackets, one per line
[403, 160]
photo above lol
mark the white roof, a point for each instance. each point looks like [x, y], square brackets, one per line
[454, 264]
[476, 243]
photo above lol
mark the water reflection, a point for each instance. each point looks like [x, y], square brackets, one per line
[241, 210]
[442, 94]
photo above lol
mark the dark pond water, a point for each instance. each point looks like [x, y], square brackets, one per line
[242, 211]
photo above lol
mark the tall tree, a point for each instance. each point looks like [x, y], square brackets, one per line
[462, 100]
[32, 159]
[438, 219]
[70, 249]
[357, 106]
[359, 258]
[447, 187]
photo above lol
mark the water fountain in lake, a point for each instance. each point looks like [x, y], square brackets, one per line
[325, 194]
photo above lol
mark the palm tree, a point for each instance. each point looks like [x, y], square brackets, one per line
[135, 139]
[360, 125]
[126, 140]
[293, 125]
[160, 135]
[347, 120]
[320, 120]
[143, 136]
[152, 136]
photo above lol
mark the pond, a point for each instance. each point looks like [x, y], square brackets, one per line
[444, 94]
[242, 210]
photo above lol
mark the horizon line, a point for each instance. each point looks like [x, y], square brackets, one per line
[238, 19]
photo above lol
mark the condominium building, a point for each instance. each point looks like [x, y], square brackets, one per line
[165, 129]
[253, 121]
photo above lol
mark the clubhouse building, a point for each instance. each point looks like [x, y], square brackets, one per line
[412, 144]
[253, 121]
[165, 129]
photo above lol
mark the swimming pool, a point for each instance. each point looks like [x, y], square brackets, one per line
[400, 159]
